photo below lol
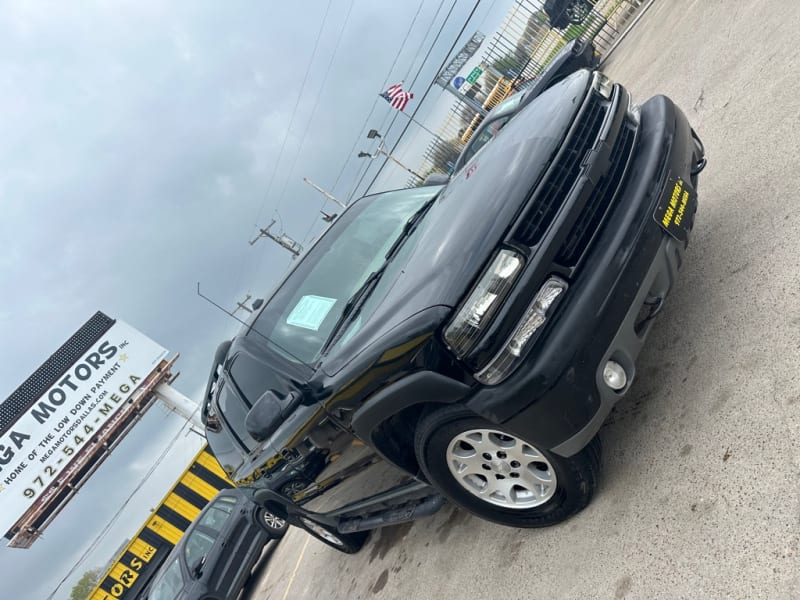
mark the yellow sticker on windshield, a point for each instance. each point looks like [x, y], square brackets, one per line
[310, 312]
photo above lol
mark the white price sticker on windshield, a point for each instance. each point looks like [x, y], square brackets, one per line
[310, 312]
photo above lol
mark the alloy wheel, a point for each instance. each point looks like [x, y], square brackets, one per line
[577, 11]
[293, 487]
[501, 469]
[273, 521]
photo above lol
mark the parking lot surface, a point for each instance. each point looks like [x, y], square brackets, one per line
[700, 496]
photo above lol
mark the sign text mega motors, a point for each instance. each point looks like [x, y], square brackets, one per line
[38, 446]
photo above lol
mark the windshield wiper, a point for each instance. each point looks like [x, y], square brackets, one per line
[409, 227]
[353, 307]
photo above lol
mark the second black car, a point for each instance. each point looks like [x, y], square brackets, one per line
[216, 554]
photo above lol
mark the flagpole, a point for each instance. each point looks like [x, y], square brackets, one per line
[413, 120]
[389, 95]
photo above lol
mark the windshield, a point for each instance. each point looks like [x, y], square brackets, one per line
[300, 317]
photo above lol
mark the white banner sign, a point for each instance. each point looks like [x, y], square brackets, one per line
[460, 59]
[40, 444]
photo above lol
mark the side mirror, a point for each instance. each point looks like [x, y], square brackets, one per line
[268, 413]
[436, 179]
[257, 303]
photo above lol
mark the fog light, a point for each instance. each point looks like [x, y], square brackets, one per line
[614, 375]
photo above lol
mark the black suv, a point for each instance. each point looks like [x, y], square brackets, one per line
[563, 13]
[215, 555]
[465, 342]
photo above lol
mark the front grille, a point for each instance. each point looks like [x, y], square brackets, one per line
[592, 215]
[554, 191]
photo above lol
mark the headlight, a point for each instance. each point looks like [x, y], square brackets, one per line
[470, 321]
[532, 321]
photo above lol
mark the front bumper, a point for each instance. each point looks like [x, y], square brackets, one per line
[557, 397]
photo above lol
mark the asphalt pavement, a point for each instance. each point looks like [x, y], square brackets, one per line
[700, 496]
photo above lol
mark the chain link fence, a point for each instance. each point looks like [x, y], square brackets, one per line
[532, 32]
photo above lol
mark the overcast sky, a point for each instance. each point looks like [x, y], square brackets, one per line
[141, 142]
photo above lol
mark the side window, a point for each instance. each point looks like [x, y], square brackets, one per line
[198, 545]
[216, 515]
[169, 585]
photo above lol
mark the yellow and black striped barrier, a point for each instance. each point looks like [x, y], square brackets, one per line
[141, 558]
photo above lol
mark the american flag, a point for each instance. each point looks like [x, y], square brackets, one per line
[396, 96]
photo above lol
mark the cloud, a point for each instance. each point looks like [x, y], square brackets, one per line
[137, 144]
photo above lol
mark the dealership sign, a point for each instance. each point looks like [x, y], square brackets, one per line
[39, 445]
[470, 48]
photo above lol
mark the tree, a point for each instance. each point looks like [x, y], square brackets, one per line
[85, 585]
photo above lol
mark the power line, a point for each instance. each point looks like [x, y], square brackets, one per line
[430, 86]
[93, 545]
[427, 91]
[313, 222]
[296, 106]
[374, 105]
[350, 154]
[316, 101]
[363, 167]
[286, 135]
[419, 70]
[394, 114]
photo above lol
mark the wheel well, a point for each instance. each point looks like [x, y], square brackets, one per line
[394, 437]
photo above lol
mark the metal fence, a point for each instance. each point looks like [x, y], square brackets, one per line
[517, 53]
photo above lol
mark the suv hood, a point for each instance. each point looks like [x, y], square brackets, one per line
[457, 237]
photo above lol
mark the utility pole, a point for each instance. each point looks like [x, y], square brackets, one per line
[325, 193]
[243, 305]
[281, 239]
[380, 151]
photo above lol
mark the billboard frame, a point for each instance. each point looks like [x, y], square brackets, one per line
[74, 372]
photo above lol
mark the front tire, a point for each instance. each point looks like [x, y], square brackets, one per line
[577, 10]
[295, 486]
[499, 476]
[274, 525]
[349, 543]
